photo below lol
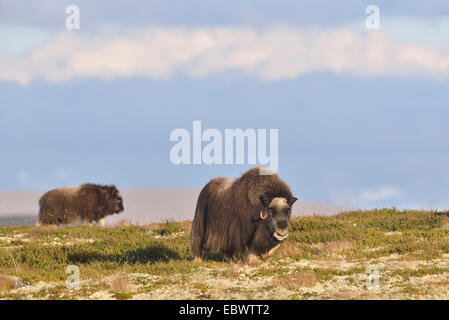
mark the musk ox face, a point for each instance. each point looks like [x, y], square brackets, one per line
[112, 194]
[119, 208]
[277, 213]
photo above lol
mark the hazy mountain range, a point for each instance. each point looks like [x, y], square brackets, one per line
[142, 206]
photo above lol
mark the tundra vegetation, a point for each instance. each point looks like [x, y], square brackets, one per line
[323, 258]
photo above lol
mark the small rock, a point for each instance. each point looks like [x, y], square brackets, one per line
[19, 283]
[16, 282]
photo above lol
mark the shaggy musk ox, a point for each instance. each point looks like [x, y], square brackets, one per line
[86, 203]
[249, 215]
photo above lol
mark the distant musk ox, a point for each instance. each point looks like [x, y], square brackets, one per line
[246, 216]
[85, 204]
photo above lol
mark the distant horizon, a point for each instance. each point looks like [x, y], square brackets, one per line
[148, 205]
[145, 205]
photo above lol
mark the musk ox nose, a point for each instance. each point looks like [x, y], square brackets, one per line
[282, 232]
[282, 224]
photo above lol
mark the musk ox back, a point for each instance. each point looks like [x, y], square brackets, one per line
[85, 204]
[249, 215]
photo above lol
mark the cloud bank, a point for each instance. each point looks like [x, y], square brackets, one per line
[273, 54]
[367, 198]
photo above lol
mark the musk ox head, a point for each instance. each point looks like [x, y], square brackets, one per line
[113, 199]
[277, 213]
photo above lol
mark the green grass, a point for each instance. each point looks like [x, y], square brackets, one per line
[169, 226]
[43, 254]
[130, 249]
[369, 229]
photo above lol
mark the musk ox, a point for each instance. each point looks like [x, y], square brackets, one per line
[85, 204]
[241, 217]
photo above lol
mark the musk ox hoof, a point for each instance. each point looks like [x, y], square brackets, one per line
[198, 260]
[101, 222]
[252, 260]
[231, 260]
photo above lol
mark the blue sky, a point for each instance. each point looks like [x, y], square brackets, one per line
[361, 114]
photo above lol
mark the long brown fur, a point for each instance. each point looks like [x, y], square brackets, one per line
[86, 203]
[227, 215]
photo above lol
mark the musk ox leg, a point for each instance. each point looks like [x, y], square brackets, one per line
[86, 223]
[197, 236]
[198, 260]
[101, 222]
[38, 223]
[196, 246]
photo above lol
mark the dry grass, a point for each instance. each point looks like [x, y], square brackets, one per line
[291, 249]
[301, 250]
[119, 283]
[336, 246]
[6, 283]
[232, 271]
[445, 222]
[299, 279]
[123, 223]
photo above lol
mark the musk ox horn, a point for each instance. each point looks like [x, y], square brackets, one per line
[264, 201]
[262, 216]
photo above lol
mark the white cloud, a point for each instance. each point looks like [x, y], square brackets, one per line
[366, 198]
[380, 194]
[62, 173]
[18, 40]
[275, 53]
[429, 32]
[23, 177]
